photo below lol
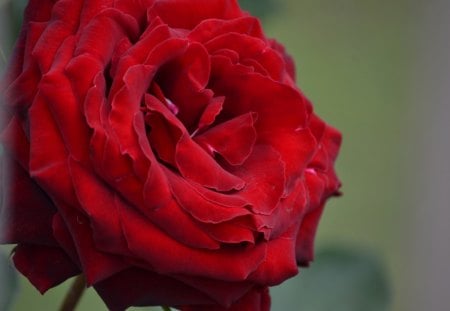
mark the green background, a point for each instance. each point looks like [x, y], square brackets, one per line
[354, 62]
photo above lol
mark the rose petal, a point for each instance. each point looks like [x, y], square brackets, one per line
[105, 153]
[329, 141]
[296, 150]
[98, 202]
[199, 207]
[15, 141]
[257, 299]
[305, 238]
[210, 113]
[275, 268]
[251, 50]
[168, 217]
[44, 266]
[255, 65]
[65, 239]
[149, 289]
[64, 106]
[110, 25]
[96, 265]
[244, 45]
[211, 28]
[239, 230]
[282, 113]
[127, 101]
[196, 165]
[183, 81]
[48, 154]
[154, 36]
[221, 199]
[233, 139]
[263, 173]
[315, 184]
[163, 136]
[176, 223]
[288, 60]
[190, 159]
[288, 212]
[65, 20]
[26, 211]
[223, 293]
[168, 256]
[279, 107]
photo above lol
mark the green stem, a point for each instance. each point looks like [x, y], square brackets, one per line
[74, 294]
[166, 308]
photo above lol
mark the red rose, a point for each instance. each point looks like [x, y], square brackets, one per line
[162, 149]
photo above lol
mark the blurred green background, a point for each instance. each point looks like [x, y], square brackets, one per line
[355, 61]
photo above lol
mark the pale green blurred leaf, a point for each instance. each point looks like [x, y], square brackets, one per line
[8, 282]
[17, 8]
[338, 280]
[11, 13]
[260, 8]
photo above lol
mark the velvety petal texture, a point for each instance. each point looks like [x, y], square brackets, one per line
[162, 149]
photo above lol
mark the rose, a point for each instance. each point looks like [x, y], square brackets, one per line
[162, 149]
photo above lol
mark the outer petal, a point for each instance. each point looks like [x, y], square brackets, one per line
[48, 154]
[98, 202]
[257, 299]
[211, 28]
[305, 237]
[264, 175]
[279, 264]
[96, 265]
[26, 212]
[223, 293]
[44, 266]
[167, 256]
[137, 287]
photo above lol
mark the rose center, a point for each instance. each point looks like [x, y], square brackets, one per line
[156, 91]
